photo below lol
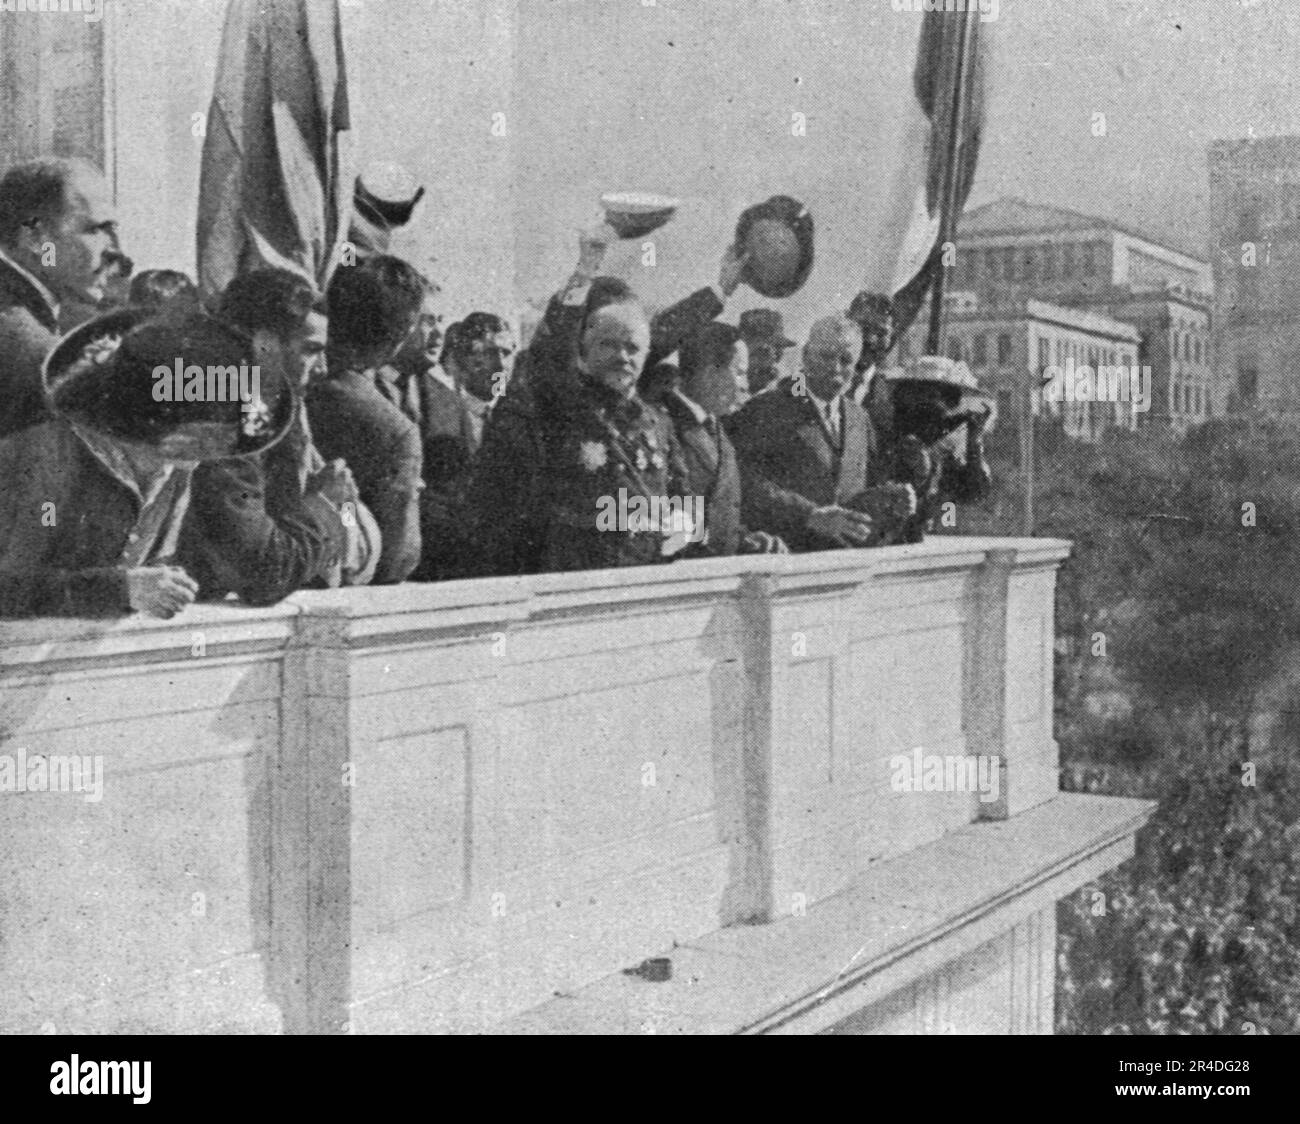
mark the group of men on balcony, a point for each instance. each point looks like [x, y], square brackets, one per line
[162, 452]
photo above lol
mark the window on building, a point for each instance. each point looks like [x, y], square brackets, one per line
[1088, 262]
[1248, 220]
[971, 261]
[1009, 264]
[979, 349]
[991, 264]
[1004, 349]
[955, 348]
[1247, 380]
[1067, 261]
[1196, 349]
[1029, 268]
[1004, 406]
[1044, 355]
[1049, 262]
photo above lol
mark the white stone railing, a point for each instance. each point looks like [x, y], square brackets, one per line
[430, 807]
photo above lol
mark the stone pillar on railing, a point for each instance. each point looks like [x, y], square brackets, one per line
[313, 816]
[985, 705]
[750, 901]
[1009, 669]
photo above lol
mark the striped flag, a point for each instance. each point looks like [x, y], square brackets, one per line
[949, 87]
[276, 181]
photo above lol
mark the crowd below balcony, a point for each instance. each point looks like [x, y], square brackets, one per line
[156, 449]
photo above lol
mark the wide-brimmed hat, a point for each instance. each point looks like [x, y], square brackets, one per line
[190, 387]
[764, 325]
[777, 235]
[938, 370]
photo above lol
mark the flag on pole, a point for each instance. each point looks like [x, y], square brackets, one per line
[276, 182]
[949, 87]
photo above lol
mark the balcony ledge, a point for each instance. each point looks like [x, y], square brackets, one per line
[900, 918]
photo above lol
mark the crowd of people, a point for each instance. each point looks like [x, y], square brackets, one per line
[372, 446]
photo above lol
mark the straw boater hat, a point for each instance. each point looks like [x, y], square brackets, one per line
[101, 376]
[938, 370]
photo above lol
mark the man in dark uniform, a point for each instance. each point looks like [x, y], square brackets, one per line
[807, 451]
[548, 369]
[595, 449]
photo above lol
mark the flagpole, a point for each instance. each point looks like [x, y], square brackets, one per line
[948, 199]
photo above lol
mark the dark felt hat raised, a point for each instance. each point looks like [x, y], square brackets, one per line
[190, 386]
[778, 237]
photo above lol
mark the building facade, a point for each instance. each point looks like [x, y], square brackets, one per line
[1013, 253]
[1013, 347]
[1255, 232]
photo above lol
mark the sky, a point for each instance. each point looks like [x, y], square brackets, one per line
[695, 98]
[1170, 77]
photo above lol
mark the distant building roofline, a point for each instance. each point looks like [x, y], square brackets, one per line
[1071, 220]
[1288, 142]
[1084, 320]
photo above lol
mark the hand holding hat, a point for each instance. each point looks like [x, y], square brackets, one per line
[732, 270]
[593, 242]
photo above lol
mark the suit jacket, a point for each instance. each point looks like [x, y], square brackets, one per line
[712, 471]
[789, 465]
[67, 526]
[351, 420]
[451, 434]
[245, 534]
[28, 331]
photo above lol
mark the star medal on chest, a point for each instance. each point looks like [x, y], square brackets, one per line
[593, 455]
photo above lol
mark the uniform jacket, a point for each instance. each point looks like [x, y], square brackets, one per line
[28, 332]
[512, 449]
[545, 470]
[251, 533]
[67, 526]
[789, 465]
[352, 420]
